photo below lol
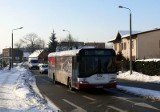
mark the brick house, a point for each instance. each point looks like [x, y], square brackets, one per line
[95, 44]
[17, 55]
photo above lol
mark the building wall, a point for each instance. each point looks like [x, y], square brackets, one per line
[117, 47]
[6, 52]
[124, 47]
[149, 45]
[95, 44]
[17, 55]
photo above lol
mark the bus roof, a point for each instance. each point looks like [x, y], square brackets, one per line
[69, 52]
[64, 53]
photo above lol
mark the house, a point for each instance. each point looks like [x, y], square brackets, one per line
[145, 44]
[77, 45]
[17, 55]
[95, 44]
[26, 55]
[42, 55]
[69, 45]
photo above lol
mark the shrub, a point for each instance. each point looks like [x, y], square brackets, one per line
[149, 68]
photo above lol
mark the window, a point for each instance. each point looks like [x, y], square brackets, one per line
[115, 46]
[132, 44]
[124, 45]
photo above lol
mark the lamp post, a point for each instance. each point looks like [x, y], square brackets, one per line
[69, 36]
[130, 37]
[12, 46]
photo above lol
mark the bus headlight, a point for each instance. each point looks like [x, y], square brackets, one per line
[84, 81]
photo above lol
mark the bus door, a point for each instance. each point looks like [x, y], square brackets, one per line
[74, 71]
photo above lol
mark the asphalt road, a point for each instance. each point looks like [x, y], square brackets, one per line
[95, 100]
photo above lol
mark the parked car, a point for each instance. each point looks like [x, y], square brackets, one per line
[33, 63]
[43, 68]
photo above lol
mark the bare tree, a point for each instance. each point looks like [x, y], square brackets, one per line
[32, 42]
[18, 45]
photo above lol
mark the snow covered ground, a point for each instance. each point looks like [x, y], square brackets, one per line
[18, 92]
[155, 95]
[139, 77]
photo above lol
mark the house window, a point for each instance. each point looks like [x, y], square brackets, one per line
[132, 45]
[124, 46]
[115, 47]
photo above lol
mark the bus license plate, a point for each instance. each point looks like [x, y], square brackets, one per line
[99, 86]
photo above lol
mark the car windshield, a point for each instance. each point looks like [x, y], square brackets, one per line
[90, 65]
[34, 61]
[44, 65]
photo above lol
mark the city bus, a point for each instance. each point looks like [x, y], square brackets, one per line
[83, 68]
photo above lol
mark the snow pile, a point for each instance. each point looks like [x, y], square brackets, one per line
[151, 94]
[139, 77]
[148, 60]
[18, 92]
[155, 95]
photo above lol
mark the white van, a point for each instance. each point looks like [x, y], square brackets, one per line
[33, 63]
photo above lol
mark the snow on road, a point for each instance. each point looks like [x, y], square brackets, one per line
[18, 92]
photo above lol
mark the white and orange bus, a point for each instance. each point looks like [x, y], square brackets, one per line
[83, 68]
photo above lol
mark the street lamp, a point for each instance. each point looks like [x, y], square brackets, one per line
[130, 37]
[69, 36]
[12, 45]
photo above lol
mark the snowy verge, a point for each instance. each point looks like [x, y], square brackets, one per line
[135, 76]
[25, 90]
[151, 94]
[139, 77]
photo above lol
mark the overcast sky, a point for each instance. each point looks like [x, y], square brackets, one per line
[87, 20]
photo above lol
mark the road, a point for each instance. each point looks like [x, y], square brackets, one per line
[107, 100]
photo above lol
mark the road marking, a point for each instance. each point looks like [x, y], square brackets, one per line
[115, 108]
[135, 103]
[92, 103]
[138, 104]
[70, 91]
[89, 98]
[125, 99]
[78, 109]
[100, 105]
[146, 106]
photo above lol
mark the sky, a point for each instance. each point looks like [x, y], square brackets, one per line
[86, 20]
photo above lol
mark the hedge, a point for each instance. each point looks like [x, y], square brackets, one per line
[149, 68]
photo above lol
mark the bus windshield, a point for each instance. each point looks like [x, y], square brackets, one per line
[90, 65]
